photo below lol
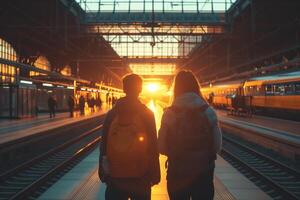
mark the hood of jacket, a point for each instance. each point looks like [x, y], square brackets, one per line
[189, 100]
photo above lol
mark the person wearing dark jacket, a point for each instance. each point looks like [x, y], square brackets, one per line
[91, 103]
[135, 188]
[52, 106]
[81, 105]
[190, 137]
[71, 105]
[99, 102]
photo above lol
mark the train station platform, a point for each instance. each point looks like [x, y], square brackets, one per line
[82, 182]
[15, 129]
[281, 129]
[288, 126]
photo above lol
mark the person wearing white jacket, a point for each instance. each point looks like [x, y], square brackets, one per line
[190, 137]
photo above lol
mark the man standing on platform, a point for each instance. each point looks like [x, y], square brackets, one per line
[71, 105]
[129, 159]
[81, 105]
[51, 105]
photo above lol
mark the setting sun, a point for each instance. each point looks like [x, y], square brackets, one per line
[153, 87]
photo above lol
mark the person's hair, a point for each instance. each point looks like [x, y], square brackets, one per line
[185, 82]
[132, 84]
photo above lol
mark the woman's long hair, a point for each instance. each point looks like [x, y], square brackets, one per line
[185, 82]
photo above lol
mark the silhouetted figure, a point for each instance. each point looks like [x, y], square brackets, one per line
[52, 106]
[94, 103]
[129, 163]
[91, 103]
[99, 102]
[81, 105]
[211, 98]
[71, 104]
[190, 137]
[109, 101]
[113, 100]
[107, 98]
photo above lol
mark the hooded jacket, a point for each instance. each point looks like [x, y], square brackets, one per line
[131, 106]
[189, 101]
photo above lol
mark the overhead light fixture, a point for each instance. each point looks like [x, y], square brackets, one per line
[26, 82]
[83, 89]
[60, 86]
[47, 84]
[70, 87]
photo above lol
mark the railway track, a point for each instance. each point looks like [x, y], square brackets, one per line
[275, 178]
[32, 177]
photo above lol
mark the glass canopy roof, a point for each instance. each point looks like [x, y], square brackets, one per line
[156, 5]
[121, 23]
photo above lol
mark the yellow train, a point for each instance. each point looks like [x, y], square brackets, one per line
[276, 92]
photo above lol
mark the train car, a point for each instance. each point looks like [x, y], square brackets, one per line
[18, 100]
[277, 92]
[220, 94]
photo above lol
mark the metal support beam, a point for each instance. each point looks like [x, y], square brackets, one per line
[35, 69]
[201, 18]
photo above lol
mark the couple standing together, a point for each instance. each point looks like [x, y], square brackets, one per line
[189, 136]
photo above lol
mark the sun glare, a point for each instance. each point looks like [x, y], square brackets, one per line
[151, 106]
[152, 87]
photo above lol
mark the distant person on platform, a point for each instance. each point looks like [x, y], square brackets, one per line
[52, 104]
[81, 105]
[129, 159]
[107, 98]
[99, 102]
[113, 100]
[91, 103]
[71, 104]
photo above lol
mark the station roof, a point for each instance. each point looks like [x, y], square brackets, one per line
[155, 28]
[273, 79]
[159, 5]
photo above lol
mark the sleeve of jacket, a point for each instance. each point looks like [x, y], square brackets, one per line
[154, 172]
[162, 135]
[104, 133]
[212, 117]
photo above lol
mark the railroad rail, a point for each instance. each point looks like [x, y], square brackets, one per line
[275, 178]
[25, 180]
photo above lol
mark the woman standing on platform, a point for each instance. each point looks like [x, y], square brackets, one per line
[190, 137]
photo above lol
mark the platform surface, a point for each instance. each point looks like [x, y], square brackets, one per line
[82, 182]
[15, 129]
[283, 125]
[279, 128]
